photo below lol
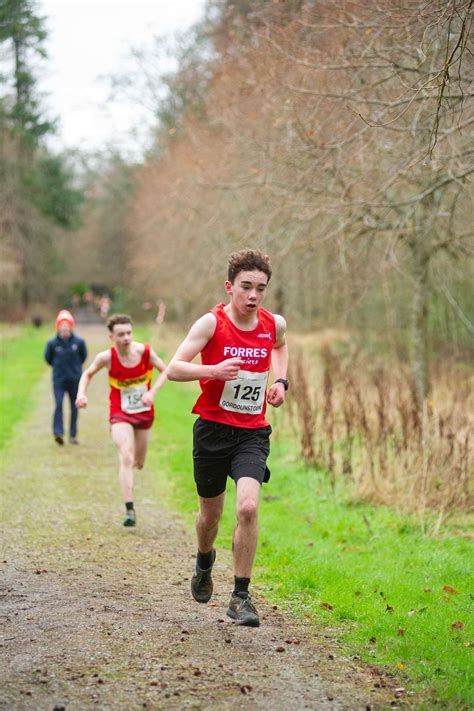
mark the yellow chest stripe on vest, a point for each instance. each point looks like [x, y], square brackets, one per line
[129, 383]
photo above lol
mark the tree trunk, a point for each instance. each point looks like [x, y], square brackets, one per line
[419, 321]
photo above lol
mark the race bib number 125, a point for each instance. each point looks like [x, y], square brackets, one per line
[245, 394]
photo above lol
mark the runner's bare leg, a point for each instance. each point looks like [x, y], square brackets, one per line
[246, 532]
[141, 446]
[124, 439]
[207, 521]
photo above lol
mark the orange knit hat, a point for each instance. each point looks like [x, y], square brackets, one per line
[65, 315]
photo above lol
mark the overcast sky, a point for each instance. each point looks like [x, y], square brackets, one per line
[89, 39]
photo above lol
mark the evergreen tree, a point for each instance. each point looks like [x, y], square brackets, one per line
[38, 194]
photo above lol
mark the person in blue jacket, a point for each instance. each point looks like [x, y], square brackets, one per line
[65, 353]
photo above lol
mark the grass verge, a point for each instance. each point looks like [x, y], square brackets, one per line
[21, 366]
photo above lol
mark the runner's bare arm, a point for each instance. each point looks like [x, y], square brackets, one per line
[180, 367]
[102, 360]
[148, 397]
[276, 393]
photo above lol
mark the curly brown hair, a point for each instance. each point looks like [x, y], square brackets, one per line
[116, 319]
[248, 260]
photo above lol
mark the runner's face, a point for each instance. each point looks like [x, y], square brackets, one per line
[247, 291]
[122, 335]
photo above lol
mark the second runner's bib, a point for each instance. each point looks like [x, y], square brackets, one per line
[131, 399]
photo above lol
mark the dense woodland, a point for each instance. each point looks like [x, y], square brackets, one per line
[337, 137]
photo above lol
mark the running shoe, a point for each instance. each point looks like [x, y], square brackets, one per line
[130, 518]
[59, 439]
[243, 611]
[201, 582]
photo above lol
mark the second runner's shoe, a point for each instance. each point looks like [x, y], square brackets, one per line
[201, 582]
[130, 518]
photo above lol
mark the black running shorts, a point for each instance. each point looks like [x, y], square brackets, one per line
[221, 450]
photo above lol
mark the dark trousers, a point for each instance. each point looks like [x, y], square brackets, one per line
[60, 389]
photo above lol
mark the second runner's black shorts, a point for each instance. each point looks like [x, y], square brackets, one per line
[221, 450]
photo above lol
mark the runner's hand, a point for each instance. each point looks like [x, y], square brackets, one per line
[276, 395]
[81, 402]
[147, 398]
[228, 369]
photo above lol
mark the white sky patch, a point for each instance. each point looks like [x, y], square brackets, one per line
[89, 39]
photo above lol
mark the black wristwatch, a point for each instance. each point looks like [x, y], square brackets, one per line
[283, 381]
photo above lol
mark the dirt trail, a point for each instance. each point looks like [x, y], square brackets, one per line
[98, 616]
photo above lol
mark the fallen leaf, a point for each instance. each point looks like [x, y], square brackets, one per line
[326, 606]
[450, 590]
[458, 625]
[400, 632]
[389, 608]
[400, 665]
[280, 649]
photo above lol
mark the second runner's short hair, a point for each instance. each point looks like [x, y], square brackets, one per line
[248, 260]
[116, 319]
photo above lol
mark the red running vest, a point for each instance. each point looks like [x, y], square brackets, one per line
[126, 388]
[240, 402]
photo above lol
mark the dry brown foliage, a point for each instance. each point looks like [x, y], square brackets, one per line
[361, 420]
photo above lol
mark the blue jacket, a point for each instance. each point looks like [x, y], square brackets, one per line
[66, 356]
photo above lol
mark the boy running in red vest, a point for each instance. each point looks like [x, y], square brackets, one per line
[238, 343]
[130, 365]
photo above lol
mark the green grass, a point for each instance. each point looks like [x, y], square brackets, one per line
[384, 580]
[21, 366]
